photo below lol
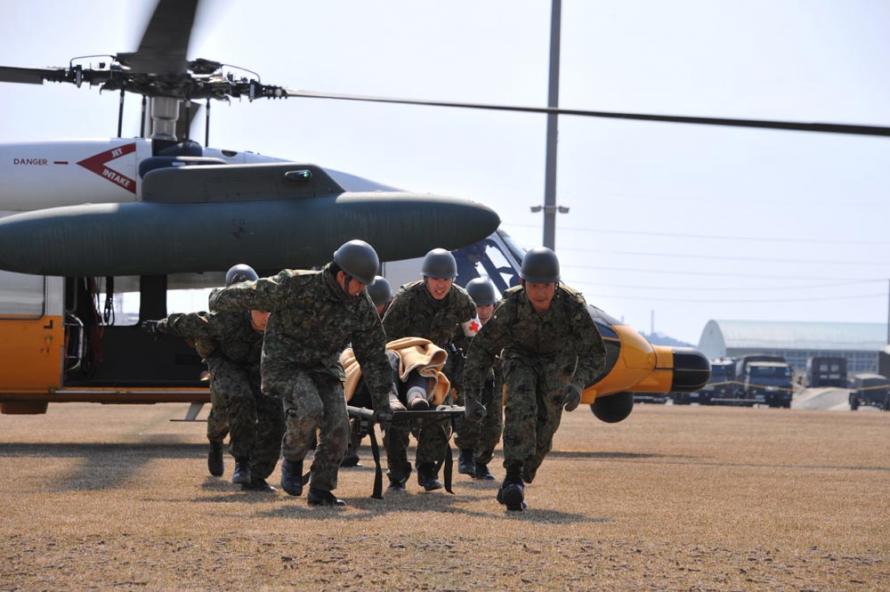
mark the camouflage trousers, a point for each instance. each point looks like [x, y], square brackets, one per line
[255, 422]
[482, 437]
[532, 412]
[218, 420]
[313, 402]
[432, 442]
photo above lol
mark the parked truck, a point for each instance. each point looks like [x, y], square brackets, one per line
[769, 383]
[721, 385]
[827, 371]
[759, 379]
[870, 389]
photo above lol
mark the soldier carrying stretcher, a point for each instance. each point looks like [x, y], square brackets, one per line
[315, 315]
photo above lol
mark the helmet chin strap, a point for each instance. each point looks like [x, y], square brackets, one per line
[346, 279]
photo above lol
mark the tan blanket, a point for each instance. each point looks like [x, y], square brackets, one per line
[414, 353]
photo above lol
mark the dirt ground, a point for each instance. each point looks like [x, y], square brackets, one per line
[674, 498]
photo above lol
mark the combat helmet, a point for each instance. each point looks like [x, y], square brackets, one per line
[439, 264]
[481, 290]
[380, 291]
[358, 259]
[540, 266]
[240, 273]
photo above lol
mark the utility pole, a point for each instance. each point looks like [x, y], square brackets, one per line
[888, 312]
[550, 208]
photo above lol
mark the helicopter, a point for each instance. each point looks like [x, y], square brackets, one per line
[160, 213]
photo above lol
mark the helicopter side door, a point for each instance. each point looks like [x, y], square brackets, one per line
[32, 341]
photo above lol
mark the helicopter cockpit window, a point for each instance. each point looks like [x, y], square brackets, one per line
[517, 251]
[600, 315]
[485, 258]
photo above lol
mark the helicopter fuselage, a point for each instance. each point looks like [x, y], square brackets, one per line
[39, 175]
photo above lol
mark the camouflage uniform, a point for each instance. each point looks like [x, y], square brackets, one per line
[415, 313]
[312, 322]
[231, 347]
[542, 353]
[482, 437]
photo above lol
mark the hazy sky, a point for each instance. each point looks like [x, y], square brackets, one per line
[691, 222]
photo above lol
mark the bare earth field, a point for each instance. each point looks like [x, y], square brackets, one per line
[674, 498]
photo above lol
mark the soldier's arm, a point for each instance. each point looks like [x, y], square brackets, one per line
[397, 319]
[591, 350]
[195, 325]
[263, 294]
[484, 348]
[369, 346]
[468, 309]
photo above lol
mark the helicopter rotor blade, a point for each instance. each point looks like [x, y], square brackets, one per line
[165, 41]
[30, 75]
[835, 128]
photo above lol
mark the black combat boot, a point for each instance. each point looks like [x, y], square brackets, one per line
[427, 478]
[396, 484]
[242, 471]
[482, 473]
[258, 484]
[465, 464]
[320, 497]
[292, 476]
[215, 459]
[512, 491]
[350, 460]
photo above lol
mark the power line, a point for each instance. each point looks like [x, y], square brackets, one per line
[722, 274]
[740, 300]
[710, 236]
[699, 288]
[732, 257]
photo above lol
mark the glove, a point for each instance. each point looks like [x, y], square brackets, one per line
[154, 328]
[383, 415]
[474, 411]
[571, 397]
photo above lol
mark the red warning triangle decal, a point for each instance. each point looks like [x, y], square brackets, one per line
[96, 164]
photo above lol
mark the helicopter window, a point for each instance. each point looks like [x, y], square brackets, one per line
[515, 250]
[21, 296]
[469, 261]
[499, 269]
[484, 258]
[193, 300]
[604, 317]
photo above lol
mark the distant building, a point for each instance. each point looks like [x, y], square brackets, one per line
[884, 361]
[859, 343]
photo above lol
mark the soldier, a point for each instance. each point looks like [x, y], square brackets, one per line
[477, 441]
[231, 343]
[380, 292]
[436, 310]
[551, 350]
[315, 314]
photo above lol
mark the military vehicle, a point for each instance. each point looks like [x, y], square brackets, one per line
[826, 371]
[721, 385]
[870, 390]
